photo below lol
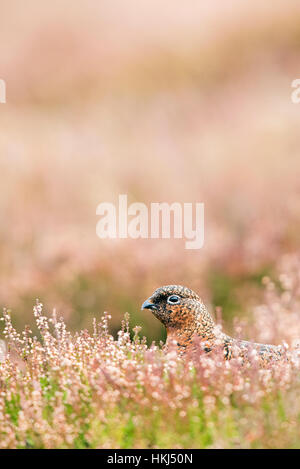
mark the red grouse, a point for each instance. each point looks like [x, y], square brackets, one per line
[188, 321]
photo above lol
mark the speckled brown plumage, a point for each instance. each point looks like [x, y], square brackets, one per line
[188, 321]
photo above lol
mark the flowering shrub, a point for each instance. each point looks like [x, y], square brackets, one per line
[93, 391]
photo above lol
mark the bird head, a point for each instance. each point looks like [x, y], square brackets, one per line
[179, 308]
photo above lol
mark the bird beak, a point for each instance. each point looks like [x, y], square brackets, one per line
[148, 305]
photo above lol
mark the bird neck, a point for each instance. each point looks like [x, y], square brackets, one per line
[201, 325]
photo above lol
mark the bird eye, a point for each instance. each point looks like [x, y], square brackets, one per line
[173, 300]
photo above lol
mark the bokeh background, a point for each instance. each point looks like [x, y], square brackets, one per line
[163, 101]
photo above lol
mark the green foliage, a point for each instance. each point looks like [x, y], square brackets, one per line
[13, 407]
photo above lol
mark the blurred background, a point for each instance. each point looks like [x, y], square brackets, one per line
[166, 102]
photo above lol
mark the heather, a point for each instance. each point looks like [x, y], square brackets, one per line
[91, 390]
